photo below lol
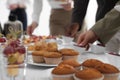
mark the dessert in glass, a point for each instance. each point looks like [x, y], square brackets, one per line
[14, 60]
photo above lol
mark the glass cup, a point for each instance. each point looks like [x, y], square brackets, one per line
[14, 62]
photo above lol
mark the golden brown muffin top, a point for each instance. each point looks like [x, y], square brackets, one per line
[40, 45]
[91, 63]
[39, 53]
[52, 46]
[63, 70]
[53, 55]
[107, 68]
[71, 62]
[68, 52]
[88, 74]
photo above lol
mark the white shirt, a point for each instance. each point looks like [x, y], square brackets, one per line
[10, 2]
[38, 4]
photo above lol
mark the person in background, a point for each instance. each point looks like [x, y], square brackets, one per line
[0, 28]
[104, 29]
[60, 16]
[79, 12]
[18, 7]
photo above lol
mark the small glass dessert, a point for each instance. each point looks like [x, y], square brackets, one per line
[14, 60]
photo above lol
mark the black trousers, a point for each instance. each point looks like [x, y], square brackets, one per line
[21, 16]
[80, 8]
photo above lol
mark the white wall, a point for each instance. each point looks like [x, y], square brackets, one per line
[43, 28]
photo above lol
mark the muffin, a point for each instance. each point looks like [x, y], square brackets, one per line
[91, 63]
[110, 72]
[52, 46]
[63, 72]
[88, 74]
[69, 54]
[38, 56]
[31, 48]
[52, 58]
[41, 45]
[71, 62]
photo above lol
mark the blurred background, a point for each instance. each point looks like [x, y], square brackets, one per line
[43, 28]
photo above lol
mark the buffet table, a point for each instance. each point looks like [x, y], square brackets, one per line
[34, 71]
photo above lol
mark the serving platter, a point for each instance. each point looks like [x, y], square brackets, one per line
[30, 61]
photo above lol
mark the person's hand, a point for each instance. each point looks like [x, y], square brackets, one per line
[31, 28]
[85, 38]
[72, 30]
[13, 6]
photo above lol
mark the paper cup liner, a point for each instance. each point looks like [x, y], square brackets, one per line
[70, 57]
[75, 78]
[38, 59]
[52, 60]
[62, 77]
[114, 76]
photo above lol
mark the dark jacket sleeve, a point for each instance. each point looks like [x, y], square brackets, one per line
[79, 11]
[108, 26]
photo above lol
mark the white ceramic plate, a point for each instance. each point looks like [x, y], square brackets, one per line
[30, 61]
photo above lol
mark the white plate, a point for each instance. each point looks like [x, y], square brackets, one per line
[30, 61]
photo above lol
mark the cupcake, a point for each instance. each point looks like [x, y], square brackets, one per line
[110, 72]
[52, 46]
[69, 54]
[38, 56]
[41, 45]
[88, 74]
[63, 72]
[91, 63]
[52, 58]
[71, 62]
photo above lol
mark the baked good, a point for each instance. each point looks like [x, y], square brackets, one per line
[69, 53]
[110, 72]
[88, 74]
[38, 56]
[71, 62]
[41, 45]
[52, 46]
[31, 48]
[63, 72]
[91, 63]
[52, 58]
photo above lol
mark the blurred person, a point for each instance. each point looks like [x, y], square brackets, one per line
[18, 8]
[104, 29]
[0, 28]
[79, 12]
[60, 16]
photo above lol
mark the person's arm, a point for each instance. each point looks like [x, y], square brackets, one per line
[79, 11]
[103, 30]
[108, 26]
[37, 8]
[78, 15]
